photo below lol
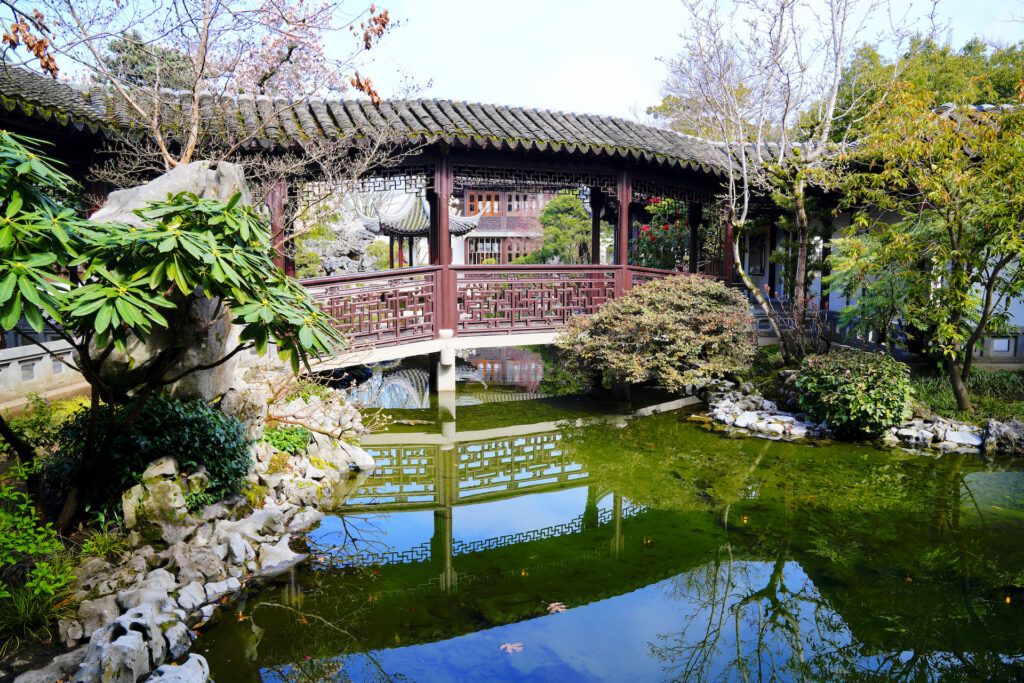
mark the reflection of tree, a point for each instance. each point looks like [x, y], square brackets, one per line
[903, 565]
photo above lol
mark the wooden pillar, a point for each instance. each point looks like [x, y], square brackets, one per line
[401, 252]
[391, 251]
[412, 251]
[275, 202]
[695, 218]
[624, 193]
[596, 204]
[441, 248]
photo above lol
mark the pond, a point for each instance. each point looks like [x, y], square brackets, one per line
[520, 535]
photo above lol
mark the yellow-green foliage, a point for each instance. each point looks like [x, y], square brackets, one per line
[676, 331]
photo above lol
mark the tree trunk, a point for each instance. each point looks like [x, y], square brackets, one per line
[799, 286]
[956, 380]
[756, 293]
[26, 453]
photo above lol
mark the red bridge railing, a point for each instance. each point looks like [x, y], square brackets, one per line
[392, 307]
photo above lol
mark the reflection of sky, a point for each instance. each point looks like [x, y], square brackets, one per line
[624, 638]
[404, 530]
[994, 492]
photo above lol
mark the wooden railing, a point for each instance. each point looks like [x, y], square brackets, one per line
[392, 307]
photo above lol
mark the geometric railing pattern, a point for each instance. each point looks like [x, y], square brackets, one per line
[387, 308]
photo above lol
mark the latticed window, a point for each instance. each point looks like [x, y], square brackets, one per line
[487, 202]
[481, 249]
[521, 247]
[523, 204]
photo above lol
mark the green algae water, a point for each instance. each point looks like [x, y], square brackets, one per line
[522, 536]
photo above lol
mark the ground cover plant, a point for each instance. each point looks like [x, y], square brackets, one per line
[675, 331]
[859, 393]
[997, 395]
[191, 431]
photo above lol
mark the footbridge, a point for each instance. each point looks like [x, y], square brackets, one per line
[440, 309]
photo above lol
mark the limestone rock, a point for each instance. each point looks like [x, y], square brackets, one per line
[192, 563]
[63, 666]
[248, 403]
[96, 613]
[219, 182]
[179, 640]
[125, 659]
[70, 631]
[1007, 438]
[963, 437]
[192, 596]
[278, 558]
[218, 589]
[161, 469]
[193, 670]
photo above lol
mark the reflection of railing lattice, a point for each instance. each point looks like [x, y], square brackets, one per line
[513, 464]
[421, 552]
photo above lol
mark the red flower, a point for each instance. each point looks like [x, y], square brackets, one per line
[665, 227]
[652, 238]
[651, 200]
[645, 228]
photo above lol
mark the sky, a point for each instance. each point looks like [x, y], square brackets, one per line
[584, 56]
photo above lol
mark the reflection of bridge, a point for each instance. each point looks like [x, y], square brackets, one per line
[438, 472]
[431, 309]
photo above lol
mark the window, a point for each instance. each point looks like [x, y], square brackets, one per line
[1000, 345]
[482, 249]
[487, 202]
[522, 204]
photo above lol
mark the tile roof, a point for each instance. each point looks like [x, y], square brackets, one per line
[279, 121]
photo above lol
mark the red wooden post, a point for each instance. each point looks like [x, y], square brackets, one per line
[625, 196]
[444, 182]
[695, 217]
[596, 203]
[401, 252]
[275, 202]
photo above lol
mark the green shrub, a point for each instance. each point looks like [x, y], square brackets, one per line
[677, 330]
[191, 431]
[42, 420]
[858, 393]
[35, 571]
[289, 439]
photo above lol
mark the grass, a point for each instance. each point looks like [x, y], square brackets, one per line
[26, 616]
[997, 395]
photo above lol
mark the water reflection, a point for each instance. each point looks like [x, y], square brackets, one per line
[681, 555]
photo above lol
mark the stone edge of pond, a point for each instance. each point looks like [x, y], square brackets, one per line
[137, 619]
[740, 410]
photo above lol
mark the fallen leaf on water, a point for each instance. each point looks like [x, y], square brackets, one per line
[512, 647]
[302, 620]
[555, 607]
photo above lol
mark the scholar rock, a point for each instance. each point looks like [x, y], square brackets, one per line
[278, 558]
[94, 614]
[179, 639]
[194, 670]
[192, 596]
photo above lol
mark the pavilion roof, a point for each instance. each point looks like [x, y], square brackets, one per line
[412, 219]
[278, 121]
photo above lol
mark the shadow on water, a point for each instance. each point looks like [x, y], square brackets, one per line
[678, 554]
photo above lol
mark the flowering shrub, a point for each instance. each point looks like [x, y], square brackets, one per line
[662, 243]
[857, 392]
[677, 331]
